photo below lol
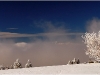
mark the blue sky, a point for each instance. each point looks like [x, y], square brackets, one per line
[46, 32]
[23, 15]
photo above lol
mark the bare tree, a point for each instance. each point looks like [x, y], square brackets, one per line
[92, 41]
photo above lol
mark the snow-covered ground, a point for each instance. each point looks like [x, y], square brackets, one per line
[93, 68]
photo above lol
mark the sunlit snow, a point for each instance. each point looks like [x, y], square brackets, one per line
[89, 68]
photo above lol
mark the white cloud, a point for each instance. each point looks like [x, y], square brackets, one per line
[12, 28]
[21, 44]
[15, 35]
[93, 25]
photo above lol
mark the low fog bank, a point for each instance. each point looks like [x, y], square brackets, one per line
[41, 53]
[56, 46]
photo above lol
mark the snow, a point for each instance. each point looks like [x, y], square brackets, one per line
[90, 68]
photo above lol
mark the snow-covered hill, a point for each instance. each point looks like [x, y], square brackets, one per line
[93, 68]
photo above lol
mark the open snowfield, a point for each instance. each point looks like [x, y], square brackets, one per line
[93, 68]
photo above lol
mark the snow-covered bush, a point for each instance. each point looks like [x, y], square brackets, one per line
[11, 67]
[2, 67]
[78, 61]
[28, 64]
[7, 67]
[74, 61]
[92, 41]
[70, 62]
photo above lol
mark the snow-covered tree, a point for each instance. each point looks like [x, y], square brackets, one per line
[17, 64]
[92, 41]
